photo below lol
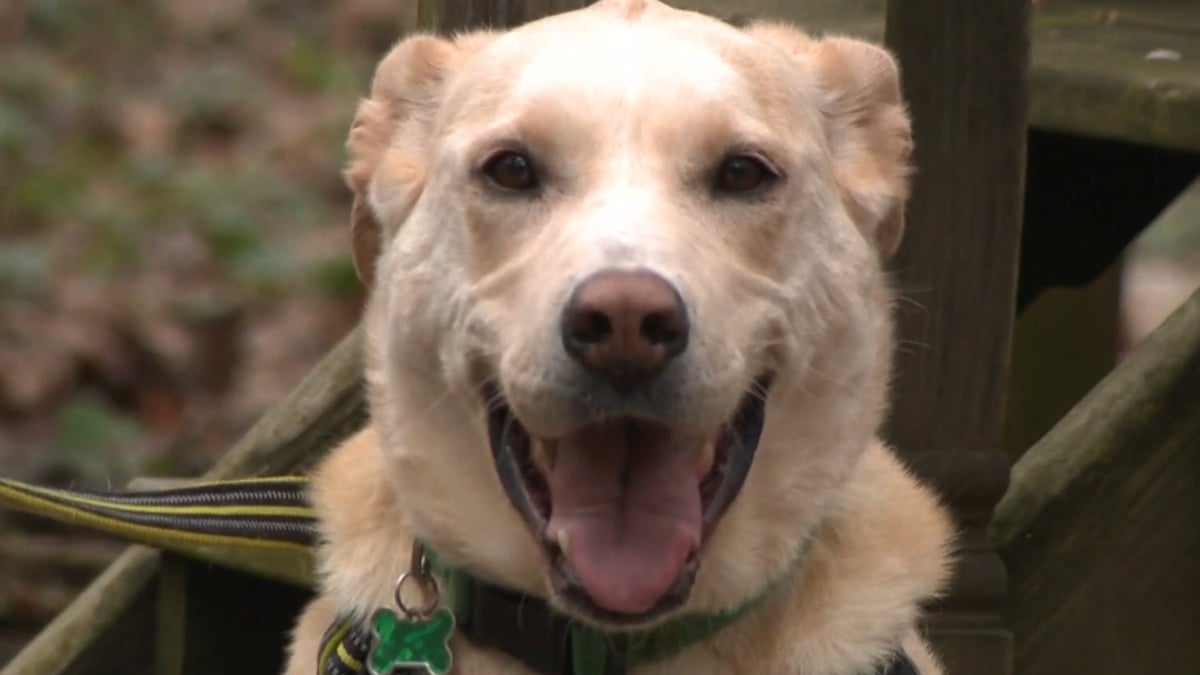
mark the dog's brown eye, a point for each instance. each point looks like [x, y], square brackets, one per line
[742, 174]
[512, 171]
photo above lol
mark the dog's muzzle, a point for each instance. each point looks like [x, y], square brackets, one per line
[623, 502]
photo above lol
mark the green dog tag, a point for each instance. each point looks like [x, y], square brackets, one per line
[402, 644]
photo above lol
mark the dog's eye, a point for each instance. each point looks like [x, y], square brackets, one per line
[511, 170]
[742, 173]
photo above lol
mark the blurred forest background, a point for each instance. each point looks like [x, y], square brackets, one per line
[173, 244]
[173, 240]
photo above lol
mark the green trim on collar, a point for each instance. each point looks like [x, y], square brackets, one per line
[590, 646]
[593, 650]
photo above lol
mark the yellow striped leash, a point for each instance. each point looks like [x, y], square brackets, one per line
[255, 512]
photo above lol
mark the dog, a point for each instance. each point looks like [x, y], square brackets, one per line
[628, 344]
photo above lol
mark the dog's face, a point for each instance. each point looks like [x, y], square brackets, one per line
[628, 331]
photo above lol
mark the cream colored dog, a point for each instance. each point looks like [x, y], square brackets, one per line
[629, 340]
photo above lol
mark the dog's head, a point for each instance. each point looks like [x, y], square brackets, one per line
[629, 331]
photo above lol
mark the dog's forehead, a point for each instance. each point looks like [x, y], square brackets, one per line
[669, 56]
[629, 60]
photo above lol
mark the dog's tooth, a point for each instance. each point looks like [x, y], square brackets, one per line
[704, 461]
[544, 456]
[564, 544]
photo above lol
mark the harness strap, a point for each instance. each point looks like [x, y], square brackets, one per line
[344, 648]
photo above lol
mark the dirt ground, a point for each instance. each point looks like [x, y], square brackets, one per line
[173, 242]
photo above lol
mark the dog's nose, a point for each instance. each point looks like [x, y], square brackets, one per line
[626, 325]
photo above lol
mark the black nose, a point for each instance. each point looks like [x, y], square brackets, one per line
[625, 325]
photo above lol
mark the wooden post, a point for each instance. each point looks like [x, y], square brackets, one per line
[171, 616]
[215, 620]
[964, 69]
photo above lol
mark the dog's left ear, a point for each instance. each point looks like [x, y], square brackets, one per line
[389, 138]
[868, 127]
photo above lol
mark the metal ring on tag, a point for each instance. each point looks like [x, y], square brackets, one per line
[428, 585]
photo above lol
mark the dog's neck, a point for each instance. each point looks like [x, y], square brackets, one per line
[529, 630]
[547, 641]
[887, 529]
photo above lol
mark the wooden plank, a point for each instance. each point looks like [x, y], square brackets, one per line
[23, 552]
[1099, 528]
[1091, 76]
[964, 68]
[171, 616]
[1063, 344]
[109, 619]
[236, 624]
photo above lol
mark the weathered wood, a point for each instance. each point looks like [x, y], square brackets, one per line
[964, 70]
[23, 553]
[236, 624]
[1099, 527]
[171, 616]
[1063, 344]
[1092, 77]
[107, 622]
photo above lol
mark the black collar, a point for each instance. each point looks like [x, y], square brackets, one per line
[523, 627]
[529, 631]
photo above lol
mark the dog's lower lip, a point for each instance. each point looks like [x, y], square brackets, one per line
[737, 445]
[573, 594]
[511, 452]
[525, 484]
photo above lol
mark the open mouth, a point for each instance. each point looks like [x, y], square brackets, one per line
[622, 506]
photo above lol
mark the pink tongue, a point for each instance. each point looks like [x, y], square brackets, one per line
[627, 497]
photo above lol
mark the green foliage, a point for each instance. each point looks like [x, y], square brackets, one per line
[125, 122]
[169, 174]
[337, 277]
[94, 441]
[22, 269]
[312, 65]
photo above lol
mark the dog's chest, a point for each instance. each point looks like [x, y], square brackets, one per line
[714, 658]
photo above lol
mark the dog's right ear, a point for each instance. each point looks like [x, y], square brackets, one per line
[390, 135]
[869, 132]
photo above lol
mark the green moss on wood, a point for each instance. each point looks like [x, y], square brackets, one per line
[1098, 528]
